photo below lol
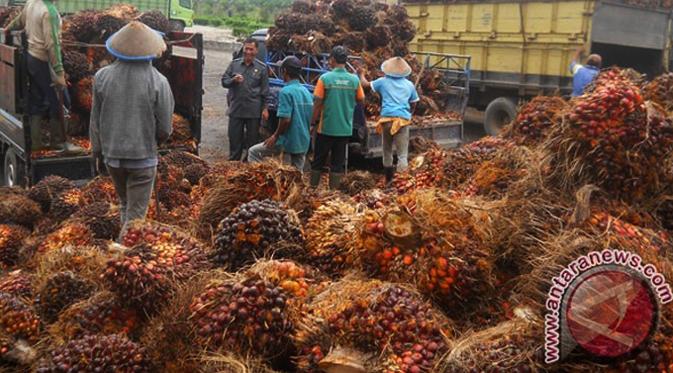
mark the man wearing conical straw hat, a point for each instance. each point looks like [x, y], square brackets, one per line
[398, 94]
[131, 115]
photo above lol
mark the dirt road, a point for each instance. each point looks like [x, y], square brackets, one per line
[214, 140]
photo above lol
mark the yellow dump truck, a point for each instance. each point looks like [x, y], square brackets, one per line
[521, 49]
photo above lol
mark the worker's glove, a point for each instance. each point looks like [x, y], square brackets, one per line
[59, 81]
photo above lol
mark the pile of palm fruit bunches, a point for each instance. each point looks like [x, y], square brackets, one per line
[81, 63]
[243, 267]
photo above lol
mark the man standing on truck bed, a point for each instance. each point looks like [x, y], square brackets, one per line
[42, 23]
[584, 74]
[295, 106]
[336, 94]
[132, 113]
[248, 82]
[398, 94]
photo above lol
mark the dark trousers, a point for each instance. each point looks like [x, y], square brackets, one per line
[134, 188]
[43, 99]
[243, 133]
[330, 145]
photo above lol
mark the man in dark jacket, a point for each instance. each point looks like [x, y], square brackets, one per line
[248, 82]
[132, 114]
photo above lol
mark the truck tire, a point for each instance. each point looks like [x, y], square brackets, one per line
[178, 26]
[499, 113]
[12, 172]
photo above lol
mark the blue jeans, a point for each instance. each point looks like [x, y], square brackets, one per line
[258, 152]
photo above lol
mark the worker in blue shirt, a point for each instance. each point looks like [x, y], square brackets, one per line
[584, 74]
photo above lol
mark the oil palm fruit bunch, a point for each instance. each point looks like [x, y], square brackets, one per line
[70, 234]
[76, 65]
[425, 172]
[82, 25]
[536, 117]
[100, 189]
[59, 291]
[83, 98]
[660, 90]
[103, 314]
[17, 283]
[11, 238]
[613, 139]
[254, 230]
[329, 237]
[653, 357]
[461, 164]
[102, 219]
[182, 131]
[109, 353]
[246, 315]
[48, 188]
[182, 159]
[18, 209]
[18, 320]
[65, 204]
[362, 19]
[156, 20]
[393, 324]
[194, 173]
[106, 25]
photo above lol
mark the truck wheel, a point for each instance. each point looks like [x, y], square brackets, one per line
[178, 26]
[499, 113]
[12, 174]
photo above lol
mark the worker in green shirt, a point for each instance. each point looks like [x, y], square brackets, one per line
[336, 94]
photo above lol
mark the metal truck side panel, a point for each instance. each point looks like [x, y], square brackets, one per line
[630, 26]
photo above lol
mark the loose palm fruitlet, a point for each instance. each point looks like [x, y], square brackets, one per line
[17, 283]
[660, 90]
[250, 315]
[59, 291]
[254, 230]
[66, 204]
[393, 324]
[536, 117]
[96, 353]
[613, 139]
[17, 319]
[47, 189]
[11, 237]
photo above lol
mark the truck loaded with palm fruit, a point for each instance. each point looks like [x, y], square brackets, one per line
[83, 37]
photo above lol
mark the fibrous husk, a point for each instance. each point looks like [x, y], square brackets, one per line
[361, 315]
[86, 262]
[156, 20]
[18, 209]
[257, 229]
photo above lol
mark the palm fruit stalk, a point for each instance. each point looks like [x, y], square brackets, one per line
[389, 326]
[17, 283]
[254, 230]
[11, 238]
[112, 353]
[59, 291]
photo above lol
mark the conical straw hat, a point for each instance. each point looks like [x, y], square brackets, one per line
[136, 42]
[396, 67]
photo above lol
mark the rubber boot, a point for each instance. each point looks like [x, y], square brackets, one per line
[335, 180]
[315, 178]
[35, 133]
[390, 175]
[58, 142]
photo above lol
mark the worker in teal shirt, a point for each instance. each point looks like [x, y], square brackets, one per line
[295, 107]
[583, 75]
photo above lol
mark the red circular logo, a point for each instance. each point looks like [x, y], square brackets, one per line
[610, 313]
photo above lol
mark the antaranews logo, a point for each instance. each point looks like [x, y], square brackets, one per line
[607, 302]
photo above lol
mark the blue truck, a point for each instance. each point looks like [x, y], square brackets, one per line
[365, 140]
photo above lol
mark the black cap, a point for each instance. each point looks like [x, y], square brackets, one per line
[340, 54]
[291, 63]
